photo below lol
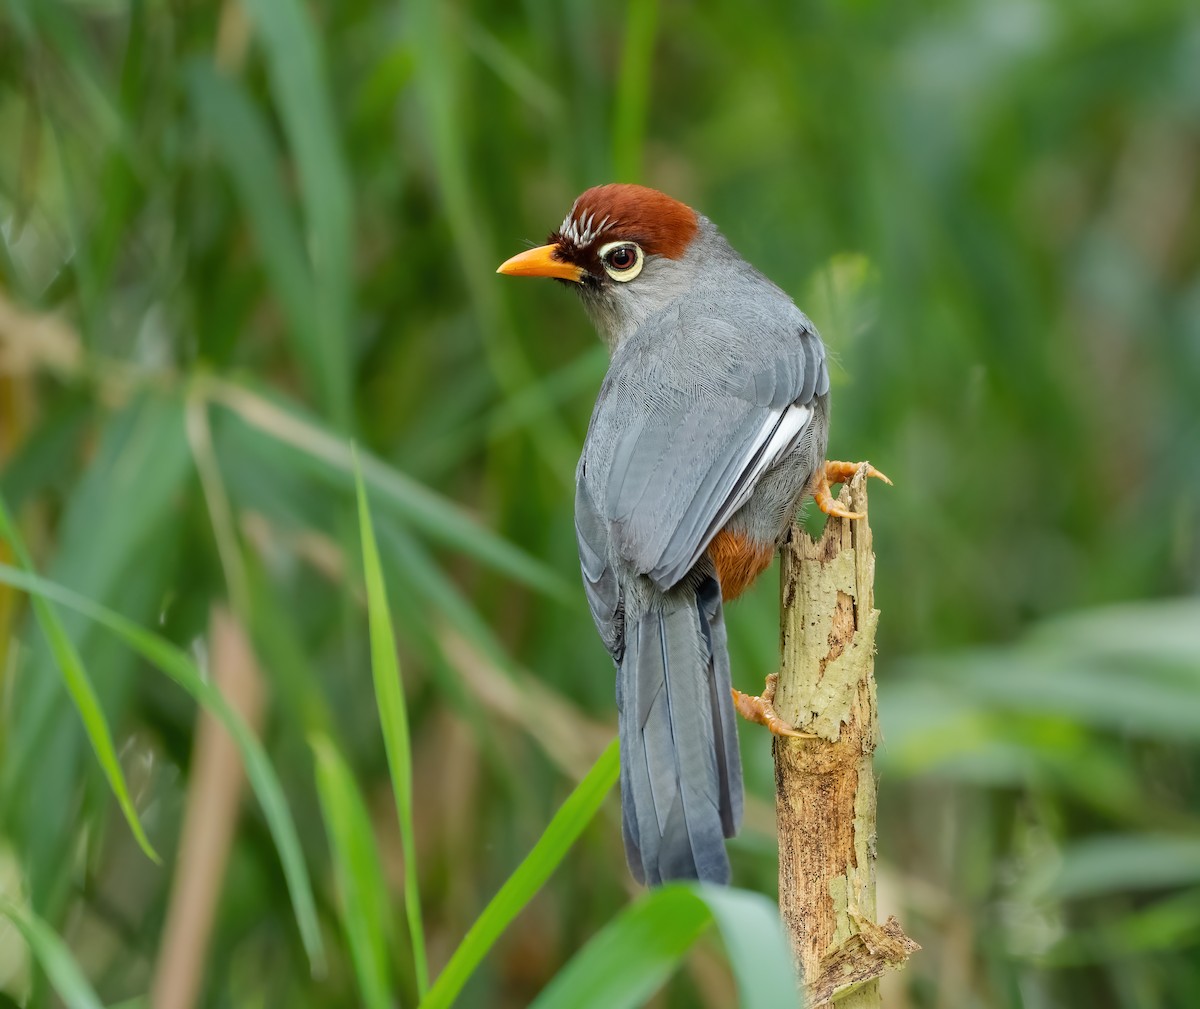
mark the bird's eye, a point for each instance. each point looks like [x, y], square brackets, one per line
[622, 260]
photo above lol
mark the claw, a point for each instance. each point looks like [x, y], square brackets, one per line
[840, 472]
[762, 710]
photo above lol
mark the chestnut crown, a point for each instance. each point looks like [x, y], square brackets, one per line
[610, 227]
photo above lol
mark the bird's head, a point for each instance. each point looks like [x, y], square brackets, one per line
[630, 252]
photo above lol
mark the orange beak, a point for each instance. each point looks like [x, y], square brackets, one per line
[540, 262]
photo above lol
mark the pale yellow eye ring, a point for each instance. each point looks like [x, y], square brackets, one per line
[629, 272]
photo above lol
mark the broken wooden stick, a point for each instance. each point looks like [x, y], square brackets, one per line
[825, 786]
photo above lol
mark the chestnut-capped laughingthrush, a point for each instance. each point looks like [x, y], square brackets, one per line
[709, 430]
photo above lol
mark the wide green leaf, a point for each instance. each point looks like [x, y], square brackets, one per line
[631, 958]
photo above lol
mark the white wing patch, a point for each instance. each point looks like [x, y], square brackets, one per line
[779, 432]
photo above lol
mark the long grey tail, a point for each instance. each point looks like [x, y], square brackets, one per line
[681, 774]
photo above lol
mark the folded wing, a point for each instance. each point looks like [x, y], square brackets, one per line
[679, 440]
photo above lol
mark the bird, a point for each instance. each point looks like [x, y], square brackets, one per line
[709, 430]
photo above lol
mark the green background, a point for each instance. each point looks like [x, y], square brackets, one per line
[234, 236]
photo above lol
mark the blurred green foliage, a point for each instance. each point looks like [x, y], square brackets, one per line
[234, 236]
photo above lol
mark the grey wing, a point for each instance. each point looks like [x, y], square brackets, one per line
[599, 579]
[671, 463]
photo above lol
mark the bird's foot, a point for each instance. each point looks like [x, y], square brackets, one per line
[762, 710]
[840, 472]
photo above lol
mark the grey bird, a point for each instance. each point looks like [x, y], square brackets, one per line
[709, 430]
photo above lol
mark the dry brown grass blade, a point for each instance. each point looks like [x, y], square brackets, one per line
[33, 342]
[209, 820]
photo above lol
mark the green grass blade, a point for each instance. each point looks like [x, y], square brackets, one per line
[79, 686]
[175, 663]
[513, 71]
[244, 145]
[356, 865]
[53, 957]
[436, 516]
[566, 826]
[631, 958]
[393, 718]
[302, 95]
[437, 80]
[111, 552]
[634, 89]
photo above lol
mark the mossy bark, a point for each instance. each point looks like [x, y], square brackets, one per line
[825, 786]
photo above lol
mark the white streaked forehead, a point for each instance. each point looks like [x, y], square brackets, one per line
[583, 231]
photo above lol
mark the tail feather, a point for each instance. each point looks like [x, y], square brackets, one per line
[629, 823]
[681, 781]
[729, 761]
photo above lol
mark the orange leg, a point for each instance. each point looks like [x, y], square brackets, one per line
[762, 710]
[840, 472]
